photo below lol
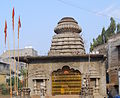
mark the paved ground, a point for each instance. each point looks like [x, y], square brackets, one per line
[7, 96]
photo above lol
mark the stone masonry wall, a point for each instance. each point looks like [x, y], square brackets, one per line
[113, 61]
[46, 68]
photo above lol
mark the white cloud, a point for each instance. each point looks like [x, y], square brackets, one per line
[111, 11]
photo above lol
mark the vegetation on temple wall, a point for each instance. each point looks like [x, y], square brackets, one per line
[105, 34]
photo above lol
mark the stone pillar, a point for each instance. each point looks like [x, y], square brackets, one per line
[97, 86]
[96, 93]
[35, 87]
[42, 89]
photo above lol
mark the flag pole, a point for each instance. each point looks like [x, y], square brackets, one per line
[18, 65]
[19, 25]
[5, 31]
[14, 49]
[14, 61]
[10, 70]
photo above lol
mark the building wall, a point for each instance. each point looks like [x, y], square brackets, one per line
[113, 60]
[45, 69]
[101, 49]
[4, 70]
[4, 67]
[21, 64]
[111, 49]
[2, 78]
[22, 52]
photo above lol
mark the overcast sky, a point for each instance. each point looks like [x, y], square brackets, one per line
[39, 18]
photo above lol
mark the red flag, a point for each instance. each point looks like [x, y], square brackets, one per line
[5, 31]
[13, 14]
[19, 26]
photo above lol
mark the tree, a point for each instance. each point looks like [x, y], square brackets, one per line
[112, 26]
[20, 85]
[118, 28]
[94, 43]
[24, 74]
[91, 47]
[103, 35]
[5, 90]
[99, 40]
[111, 29]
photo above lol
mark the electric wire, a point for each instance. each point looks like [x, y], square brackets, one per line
[86, 10]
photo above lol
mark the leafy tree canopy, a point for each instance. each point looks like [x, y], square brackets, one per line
[118, 28]
[105, 34]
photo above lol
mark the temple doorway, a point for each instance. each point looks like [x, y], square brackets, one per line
[66, 81]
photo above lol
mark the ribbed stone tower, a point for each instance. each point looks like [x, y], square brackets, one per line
[67, 40]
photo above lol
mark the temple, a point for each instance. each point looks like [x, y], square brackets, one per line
[67, 40]
[67, 71]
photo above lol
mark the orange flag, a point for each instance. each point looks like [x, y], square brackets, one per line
[5, 31]
[19, 26]
[13, 14]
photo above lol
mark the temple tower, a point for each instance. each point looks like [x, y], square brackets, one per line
[67, 40]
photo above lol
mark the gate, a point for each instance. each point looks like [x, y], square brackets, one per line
[66, 81]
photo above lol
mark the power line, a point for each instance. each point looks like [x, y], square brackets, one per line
[86, 10]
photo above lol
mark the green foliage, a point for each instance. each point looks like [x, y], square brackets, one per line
[91, 46]
[118, 28]
[105, 34]
[5, 90]
[19, 82]
[111, 29]
[24, 73]
[99, 40]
